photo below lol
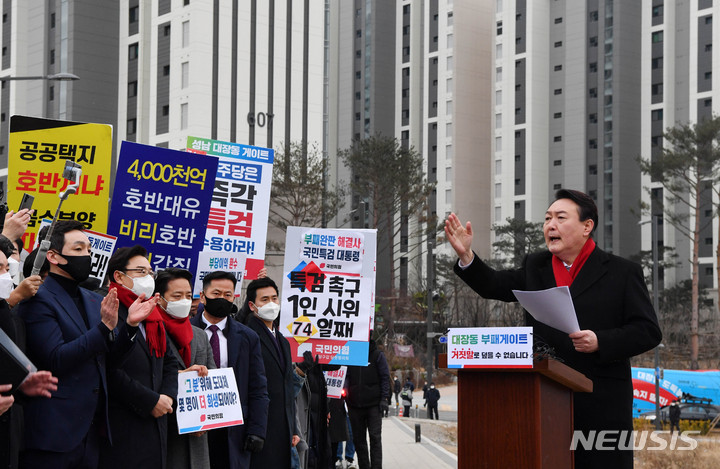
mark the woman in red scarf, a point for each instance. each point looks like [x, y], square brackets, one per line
[612, 305]
[191, 348]
[143, 385]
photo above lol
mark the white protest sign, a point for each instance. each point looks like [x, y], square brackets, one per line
[490, 347]
[335, 380]
[328, 293]
[102, 246]
[208, 402]
[226, 261]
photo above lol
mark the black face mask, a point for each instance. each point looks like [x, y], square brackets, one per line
[219, 307]
[79, 267]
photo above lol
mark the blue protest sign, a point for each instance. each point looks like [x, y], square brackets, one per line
[161, 201]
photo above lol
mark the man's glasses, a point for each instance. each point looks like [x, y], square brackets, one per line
[143, 271]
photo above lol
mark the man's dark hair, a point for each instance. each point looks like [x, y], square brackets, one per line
[587, 210]
[57, 239]
[166, 276]
[218, 275]
[20, 244]
[257, 284]
[6, 246]
[120, 259]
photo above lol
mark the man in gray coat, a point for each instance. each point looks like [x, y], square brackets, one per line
[191, 348]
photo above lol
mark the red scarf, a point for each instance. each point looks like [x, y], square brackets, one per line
[154, 329]
[563, 277]
[181, 332]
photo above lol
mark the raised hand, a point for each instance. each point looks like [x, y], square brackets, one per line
[139, 310]
[109, 309]
[460, 238]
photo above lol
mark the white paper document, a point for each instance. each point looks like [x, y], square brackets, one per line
[553, 307]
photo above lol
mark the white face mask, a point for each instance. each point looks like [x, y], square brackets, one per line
[269, 311]
[6, 285]
[14, 270]
[142, 285]
[179, 309]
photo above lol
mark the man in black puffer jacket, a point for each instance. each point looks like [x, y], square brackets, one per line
[368, 393]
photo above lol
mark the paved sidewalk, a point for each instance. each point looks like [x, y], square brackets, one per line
[401, 451]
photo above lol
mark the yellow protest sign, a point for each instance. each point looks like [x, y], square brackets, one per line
[38, 150]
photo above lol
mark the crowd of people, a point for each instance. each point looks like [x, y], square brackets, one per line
[109, 355]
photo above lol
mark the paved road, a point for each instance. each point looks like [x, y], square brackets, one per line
[401, 451]
[447, 406]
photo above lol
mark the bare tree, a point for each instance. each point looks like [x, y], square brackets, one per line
[688, 165]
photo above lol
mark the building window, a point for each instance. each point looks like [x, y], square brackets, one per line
[166, 30]
[708, 19]
[557, 138]
[558, 20]
[185, 33]
[708, 102]
[134, 14]
[557, 68]
[358, 33]
[131, 126]
[557, 163]
[557, 187]
[166, 110]
[557, 115]
[593, 67]
[498, 74]
[166, 70]
[657, 11]
[557, 91]
[52, 56]
[499, 28]
[184, 115]
[132, 89]
[657, 36]
[357, 75]
[657, 63]
[51, 93]
[186, 2]
[593, 16]
[133, 50]
[184, 75]
[358, 54]
[592, 118]
[593, 92]
[592, 143]
[52, 20]
[593, 41]
[708, 75]
[708, 47]
[357, 115]
[592, 169]
[656, 89]
[656, 115]
[558, 44]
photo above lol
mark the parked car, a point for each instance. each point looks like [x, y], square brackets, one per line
[691, 408]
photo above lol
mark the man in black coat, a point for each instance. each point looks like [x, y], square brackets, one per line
[143, 385]
[432, 396]
[368, 391]
[237, 346]
[262, 297]
[614, 311]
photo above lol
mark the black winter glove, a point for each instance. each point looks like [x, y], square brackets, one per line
[254, 443]
[308, 362]
[383, 406]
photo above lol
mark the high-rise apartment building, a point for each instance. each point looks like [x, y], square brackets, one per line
[243, 71]
[567, 111]
[678, 86]
[42, 38]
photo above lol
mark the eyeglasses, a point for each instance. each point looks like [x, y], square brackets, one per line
[143, 271]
